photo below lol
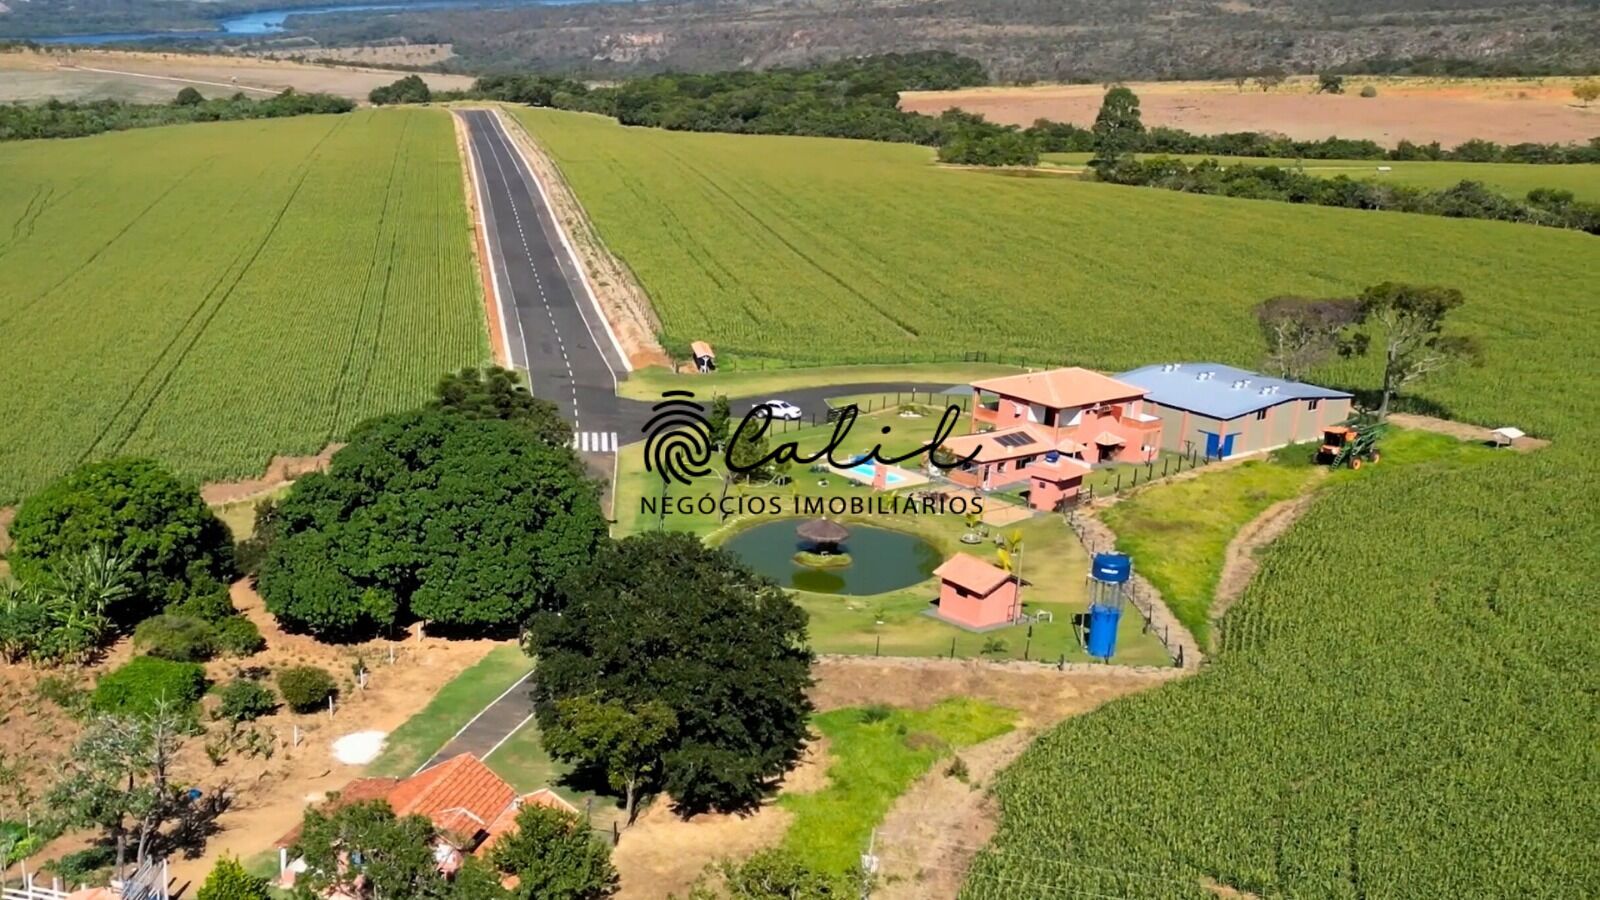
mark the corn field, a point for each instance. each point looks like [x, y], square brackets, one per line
[213, 294]
[811, 250]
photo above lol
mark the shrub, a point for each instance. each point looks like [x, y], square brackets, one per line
[85, 867]
[229, 881]
[205, 598]
[1369, 92]
[306, 688]
[245, 701]
[144, 682]
[238, 636]
[178, 638]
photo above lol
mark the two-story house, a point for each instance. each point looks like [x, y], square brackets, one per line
[1050, 428]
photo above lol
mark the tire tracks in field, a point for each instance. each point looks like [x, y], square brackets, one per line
[177, 363]
[337, 404]
[79, 268]
[795, 249]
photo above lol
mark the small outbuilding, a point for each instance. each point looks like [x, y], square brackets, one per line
[1222, 411]
[976, 595]
[705, 359]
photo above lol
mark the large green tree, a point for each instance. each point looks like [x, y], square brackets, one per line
[555, 856]
[1117, 128]
[468, 523]
[136, 512]
[662, 618]
[624, 741]
[1406, 322]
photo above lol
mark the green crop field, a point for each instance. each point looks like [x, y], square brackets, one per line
[1405, 703]
[213, 294]
[819, 250]
[1513, 179]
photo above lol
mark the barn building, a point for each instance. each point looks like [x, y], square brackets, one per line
[1222, 411]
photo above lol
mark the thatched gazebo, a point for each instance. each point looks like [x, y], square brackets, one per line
[822, 534]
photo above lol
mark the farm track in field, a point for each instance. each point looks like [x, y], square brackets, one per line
[68, 276]
[340, 384]
[215, 308]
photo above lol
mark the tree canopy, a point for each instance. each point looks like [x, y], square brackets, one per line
[463, 522]
[555, 856]
[1407, 324]
[132, 510]
[496, 393]
[1117, 127]
[661, 618]
[410, 89]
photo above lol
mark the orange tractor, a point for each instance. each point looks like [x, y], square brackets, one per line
[1350, 445]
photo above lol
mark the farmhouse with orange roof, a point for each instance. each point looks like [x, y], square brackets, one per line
[471, 806]
[1048, 428]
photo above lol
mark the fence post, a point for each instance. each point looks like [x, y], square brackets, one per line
[952, 648]
[877, 647]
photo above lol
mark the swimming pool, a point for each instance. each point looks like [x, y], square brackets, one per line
[867, 471]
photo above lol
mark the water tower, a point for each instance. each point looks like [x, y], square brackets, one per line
[1108, 581]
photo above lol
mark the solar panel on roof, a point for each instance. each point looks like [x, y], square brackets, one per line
[1013, 440]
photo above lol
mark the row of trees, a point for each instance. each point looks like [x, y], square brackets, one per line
[67, 119]
[1119, 133]
[1551, 207]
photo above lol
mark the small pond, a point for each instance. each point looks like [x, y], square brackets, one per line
[881, 559]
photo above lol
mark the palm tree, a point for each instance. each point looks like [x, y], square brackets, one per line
[1010, 555]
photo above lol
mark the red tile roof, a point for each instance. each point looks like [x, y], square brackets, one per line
[968, 571]
[507, 821]
[461, 796]
[357, 791]
[461, 784]
[1061, 388]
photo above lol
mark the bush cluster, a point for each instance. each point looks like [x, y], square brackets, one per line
[306, 688]
[177, 638]
[143, 683]
[244, 700]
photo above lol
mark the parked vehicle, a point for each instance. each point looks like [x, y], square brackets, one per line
[781, 409]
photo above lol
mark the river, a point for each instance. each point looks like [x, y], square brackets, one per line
[270, 21]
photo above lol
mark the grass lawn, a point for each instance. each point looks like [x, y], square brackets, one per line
[877, 753]
[647, 384]
[1178, 533]
[452, 708]
[240, 515]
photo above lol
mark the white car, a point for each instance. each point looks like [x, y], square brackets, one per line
[781, 409]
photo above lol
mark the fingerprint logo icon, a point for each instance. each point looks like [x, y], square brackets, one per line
[677, 439]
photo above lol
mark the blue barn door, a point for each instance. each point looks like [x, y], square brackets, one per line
[1211, 443]
[1227, 446]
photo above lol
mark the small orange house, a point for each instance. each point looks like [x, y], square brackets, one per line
[975, 594]
[1048, 428]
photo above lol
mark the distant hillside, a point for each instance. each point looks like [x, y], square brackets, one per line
[1058, 40]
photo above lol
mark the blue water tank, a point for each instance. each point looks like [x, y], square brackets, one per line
[1112, 568]
[1103, 621]
[1051, 456]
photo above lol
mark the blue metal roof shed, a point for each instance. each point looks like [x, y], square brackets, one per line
[1219, 391]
